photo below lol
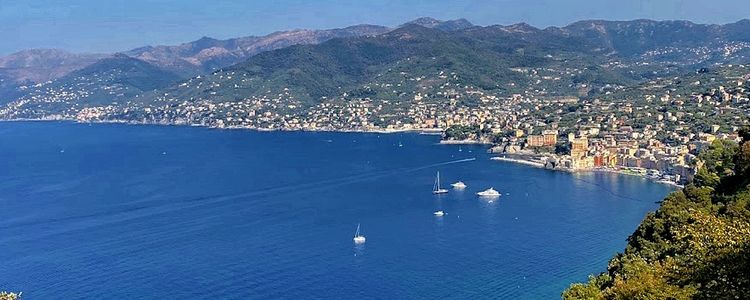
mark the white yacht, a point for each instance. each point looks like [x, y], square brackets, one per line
[490, 192]
[458, 185]
[436, 189]
[358, 237]
[439, 213]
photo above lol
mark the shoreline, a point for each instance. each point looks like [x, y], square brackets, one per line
[622, 172]
[425, 131]
[463, 142]
[540, 165]
[520, 160]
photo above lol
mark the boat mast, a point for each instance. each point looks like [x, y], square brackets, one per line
[437, 182]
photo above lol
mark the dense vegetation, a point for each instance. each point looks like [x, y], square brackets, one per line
[9, 296]
[496, 59]
[587, 55]
[587, 58]
[695, 246]
[114, 79]
[481, 57]
[462, 132]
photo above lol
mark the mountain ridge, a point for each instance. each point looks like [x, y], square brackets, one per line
[107, 81]
[206, 54]
[602, 53]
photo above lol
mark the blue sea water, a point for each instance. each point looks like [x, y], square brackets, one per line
[157, 212]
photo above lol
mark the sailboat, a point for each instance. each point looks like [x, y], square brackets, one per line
[436, 189]
[358, 237]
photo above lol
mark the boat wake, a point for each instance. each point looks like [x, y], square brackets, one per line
[335, 182]
[152, 207]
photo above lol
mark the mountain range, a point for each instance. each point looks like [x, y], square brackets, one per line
[316, 64]
[191, 58]
[112, 79]
[207, 54]
[599, 53]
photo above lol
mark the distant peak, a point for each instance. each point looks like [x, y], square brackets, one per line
[450, 25]
[205, 38]
[205, 42]
[412, 28]
[38, 51]
[424, 21]
[521, 27]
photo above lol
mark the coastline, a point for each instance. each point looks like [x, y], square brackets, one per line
[537, 164]
[520, 159]
[425, 131]
[464, 142]
[623, 172]
[419, 154]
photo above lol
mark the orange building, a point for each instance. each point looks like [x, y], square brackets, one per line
[550, 138]
[536, 140]
[579, 148]
[599, 161]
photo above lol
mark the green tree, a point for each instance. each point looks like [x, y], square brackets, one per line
[9, 296]
[695, 246]
[562, 148]
[719, 156]
[592, 290]
[461, 132]
[704, 177]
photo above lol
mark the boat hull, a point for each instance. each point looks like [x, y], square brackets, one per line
[488, 195]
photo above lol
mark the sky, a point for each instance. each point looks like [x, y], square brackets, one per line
[118, 25]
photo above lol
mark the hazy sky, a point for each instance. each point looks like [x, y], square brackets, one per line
[114, 25]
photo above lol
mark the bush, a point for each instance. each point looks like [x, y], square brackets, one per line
[461, 132]
[9, 296]
[696, 245]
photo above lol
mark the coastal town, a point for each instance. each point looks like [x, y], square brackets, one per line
[656, 132]
[572, 150]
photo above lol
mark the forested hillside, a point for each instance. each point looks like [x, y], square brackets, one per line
[695, 246]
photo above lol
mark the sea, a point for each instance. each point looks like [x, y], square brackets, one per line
[115, 211]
